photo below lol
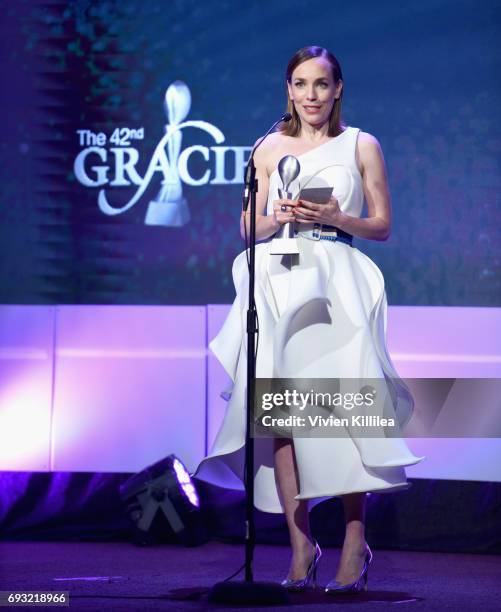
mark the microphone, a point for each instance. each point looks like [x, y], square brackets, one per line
[250, 169]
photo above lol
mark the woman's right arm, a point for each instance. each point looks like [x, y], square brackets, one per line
[266, 225]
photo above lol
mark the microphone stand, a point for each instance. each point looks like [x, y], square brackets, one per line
[249, 591]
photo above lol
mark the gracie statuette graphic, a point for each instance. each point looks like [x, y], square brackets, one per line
[169, 208]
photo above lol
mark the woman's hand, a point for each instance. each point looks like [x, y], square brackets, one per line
[327, 214]
[283, 211]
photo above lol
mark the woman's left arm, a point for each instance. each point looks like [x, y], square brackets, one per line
[377, 224]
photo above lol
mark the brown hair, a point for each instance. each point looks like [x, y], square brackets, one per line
[293, 127]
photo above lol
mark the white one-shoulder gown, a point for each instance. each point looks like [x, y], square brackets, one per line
[298, 340]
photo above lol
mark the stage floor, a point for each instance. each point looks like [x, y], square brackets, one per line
[120, 576]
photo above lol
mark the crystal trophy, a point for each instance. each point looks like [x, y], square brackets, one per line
[284, 242]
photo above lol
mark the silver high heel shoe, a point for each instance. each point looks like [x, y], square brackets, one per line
[311, 575]
[360, 583]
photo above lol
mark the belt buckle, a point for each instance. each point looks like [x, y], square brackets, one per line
[332, 235]
[316, 231]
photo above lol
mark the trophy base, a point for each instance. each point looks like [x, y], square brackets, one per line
[168, 214]
[284, 246]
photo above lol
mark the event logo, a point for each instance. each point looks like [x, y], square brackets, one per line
[170, 207]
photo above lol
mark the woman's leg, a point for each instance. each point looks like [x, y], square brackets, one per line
[354, 546]
[296, 512]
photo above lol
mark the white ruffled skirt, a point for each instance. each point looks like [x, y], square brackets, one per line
[321, 317]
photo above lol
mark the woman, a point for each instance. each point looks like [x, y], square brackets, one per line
[321, 315]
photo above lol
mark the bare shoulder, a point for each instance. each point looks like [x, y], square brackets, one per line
[272, 141]
[266, 154]
[368, 151]
[368, 142]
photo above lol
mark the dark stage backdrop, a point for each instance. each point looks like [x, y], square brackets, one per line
[91, 194]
